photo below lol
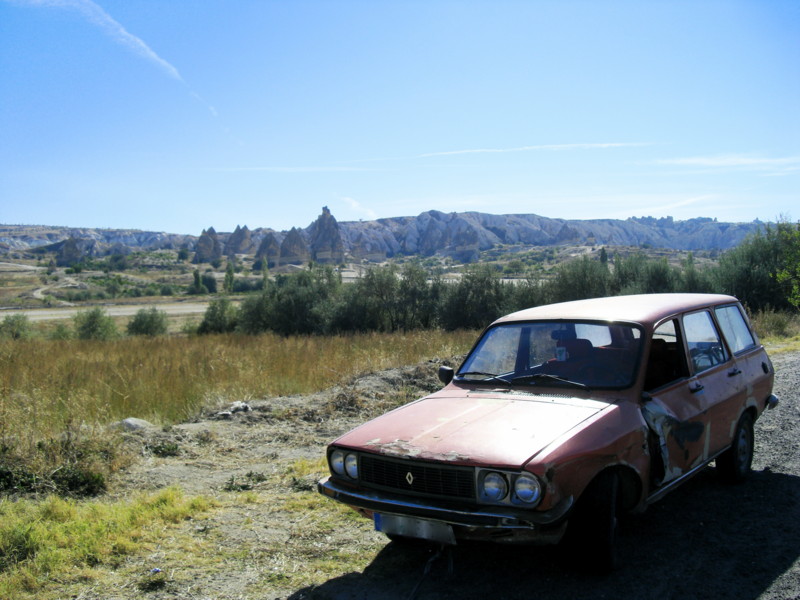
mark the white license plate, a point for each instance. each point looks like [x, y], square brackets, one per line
[412, 527]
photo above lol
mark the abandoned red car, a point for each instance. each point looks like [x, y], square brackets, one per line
[560, 418]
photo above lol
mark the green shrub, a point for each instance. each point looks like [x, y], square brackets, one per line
[776, 324]
[148, 321]
[16, 327]
[220, 317]
[95, 324]
[60, 332]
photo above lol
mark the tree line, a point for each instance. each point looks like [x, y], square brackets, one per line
[763, 272]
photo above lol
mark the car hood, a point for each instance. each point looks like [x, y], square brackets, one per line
[499, 428]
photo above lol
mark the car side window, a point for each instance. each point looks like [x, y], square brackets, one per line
[666, 362]
[702, 339]
[734, 328]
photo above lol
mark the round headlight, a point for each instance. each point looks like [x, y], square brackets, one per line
[351, 465]
[494, 487]
[337, 462]
[527, 488]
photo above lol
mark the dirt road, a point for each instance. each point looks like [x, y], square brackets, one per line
[116, 310]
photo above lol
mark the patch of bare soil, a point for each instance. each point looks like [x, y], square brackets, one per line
[705, 540]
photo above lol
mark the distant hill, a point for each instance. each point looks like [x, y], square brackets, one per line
[461, 236]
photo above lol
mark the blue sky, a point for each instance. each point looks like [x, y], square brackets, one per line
[175, 116]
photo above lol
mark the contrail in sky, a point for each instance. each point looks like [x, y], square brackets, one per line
[531, 148]
[97, 16]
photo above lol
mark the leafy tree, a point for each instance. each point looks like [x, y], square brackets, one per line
[789, 272]
[415, 299]
[220, 317]
[514, 267]
[16, 327]
[117, 262]
[256, 312]
[659, 277]
[628, 274]
[148, 321]
[476, 300]
[527, 293]
[379, 291]
[307, 302]
[95, 324]
[229, 278]
[303, 302]
[692, 279]
[210, 282]
[197, 286]
[750, 270]
[579, 278]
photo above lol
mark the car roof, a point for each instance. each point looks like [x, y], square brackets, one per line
[640, 308]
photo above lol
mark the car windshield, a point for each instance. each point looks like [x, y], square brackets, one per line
[563, 353]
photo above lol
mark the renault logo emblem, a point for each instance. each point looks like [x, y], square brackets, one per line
[409, 478]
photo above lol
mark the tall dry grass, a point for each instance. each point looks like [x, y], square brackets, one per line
[48, 387]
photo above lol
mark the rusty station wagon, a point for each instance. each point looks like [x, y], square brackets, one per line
[560, 418]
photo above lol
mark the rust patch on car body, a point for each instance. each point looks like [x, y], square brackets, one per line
[405, 449]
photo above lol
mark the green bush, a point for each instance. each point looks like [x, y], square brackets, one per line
[148, 321]
[16, 327]
[220, 317]
[197, 287]
[95, 324]
[60, 332]
[776, 324]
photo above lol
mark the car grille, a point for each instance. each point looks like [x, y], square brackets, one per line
[417, 478]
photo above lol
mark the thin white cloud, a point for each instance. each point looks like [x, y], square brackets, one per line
[770, 166]
[544, 147]
[290, 169]
[200, 99]
[357, 208]
[97, 16]
[681, 203]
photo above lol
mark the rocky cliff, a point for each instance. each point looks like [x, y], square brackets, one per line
[461, 236]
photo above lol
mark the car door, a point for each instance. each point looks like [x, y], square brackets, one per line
[686, 384]
[717, 380]
[751, 372]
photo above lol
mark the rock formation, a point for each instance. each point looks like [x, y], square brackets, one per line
[239, 242]
[461, 236]
[208, 248]
[269, 250]
[294, 250]
[326, 241]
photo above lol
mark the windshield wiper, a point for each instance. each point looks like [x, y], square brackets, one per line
[487, 376]
[549, 378]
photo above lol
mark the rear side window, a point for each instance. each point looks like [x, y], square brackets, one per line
[705, 347]
[734, 328]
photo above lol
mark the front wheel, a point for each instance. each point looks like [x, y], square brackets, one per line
[734, 464]
[592, 531]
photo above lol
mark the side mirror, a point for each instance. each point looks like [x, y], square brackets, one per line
[445, 374]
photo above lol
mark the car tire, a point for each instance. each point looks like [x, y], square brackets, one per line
[591, 535]
[735, 463]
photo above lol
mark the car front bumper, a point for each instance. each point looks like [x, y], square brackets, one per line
[480, 522]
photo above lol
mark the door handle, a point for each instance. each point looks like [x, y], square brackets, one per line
[696, 388]
[734, 372]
